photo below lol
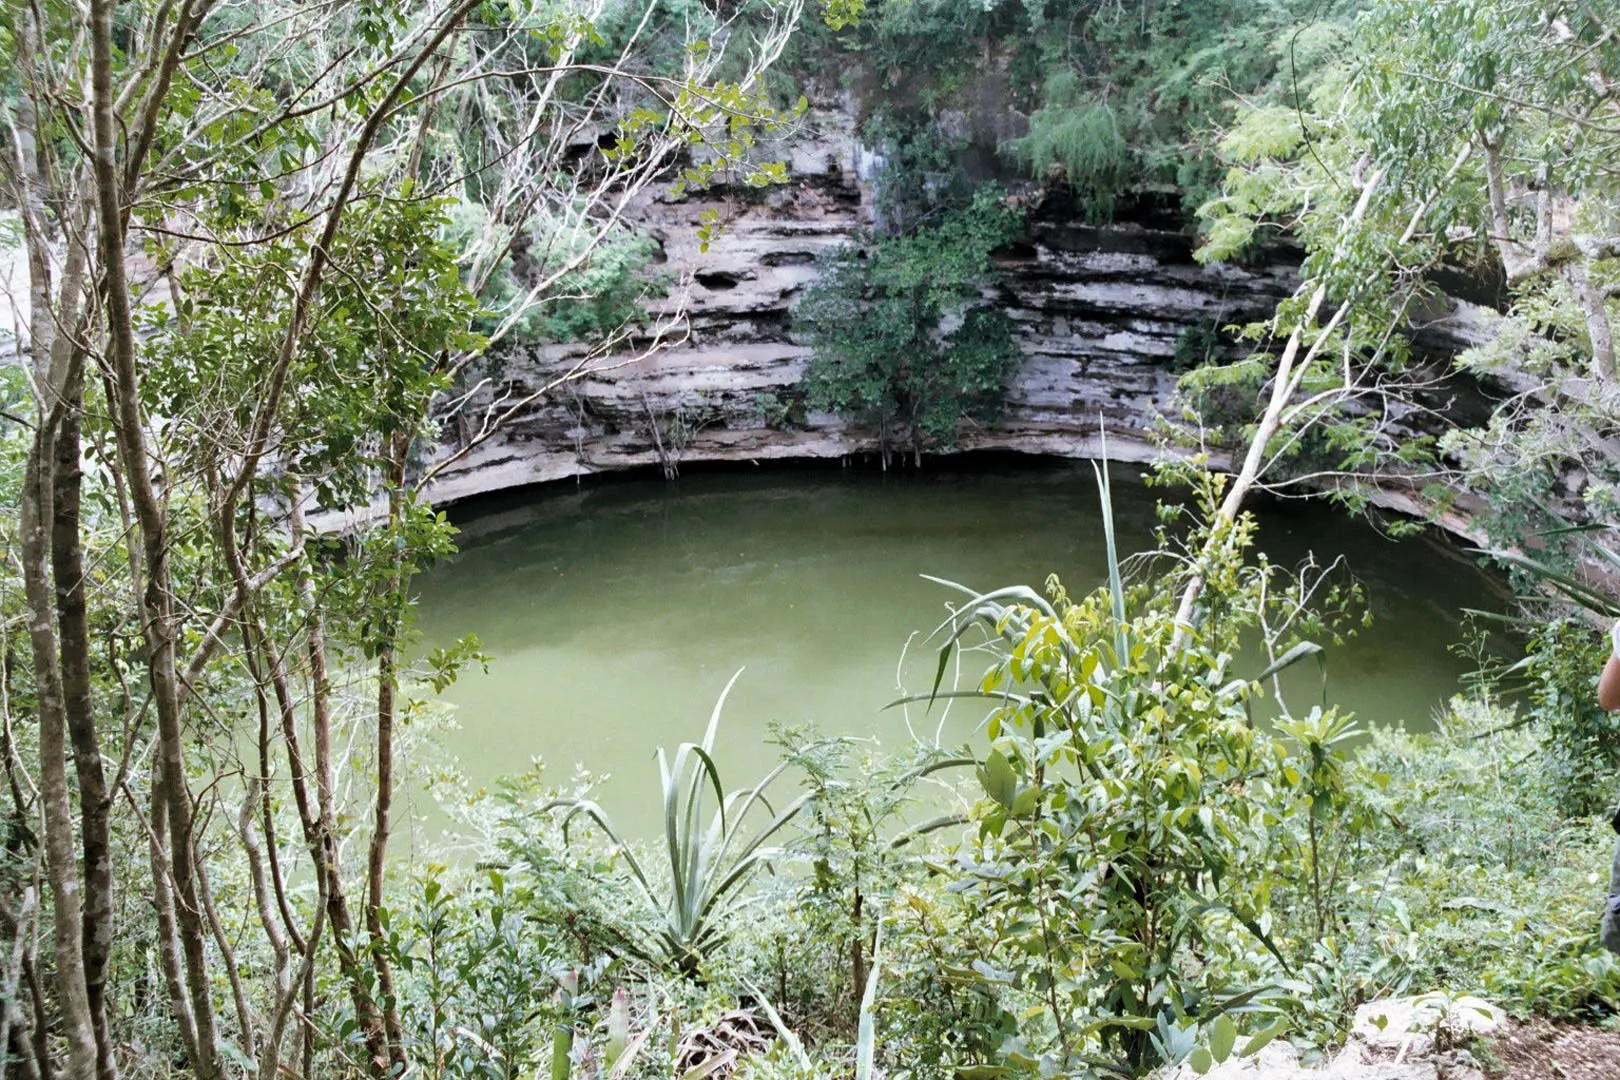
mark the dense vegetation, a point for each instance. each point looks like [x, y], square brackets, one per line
[268, 249]
[882, 356]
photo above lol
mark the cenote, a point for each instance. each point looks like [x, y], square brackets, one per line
[616, 612]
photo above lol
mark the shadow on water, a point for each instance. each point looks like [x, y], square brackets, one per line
[616, 612]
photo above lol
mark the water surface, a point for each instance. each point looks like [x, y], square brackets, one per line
[617, 612]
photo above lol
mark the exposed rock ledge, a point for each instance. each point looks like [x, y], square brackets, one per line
[1413, 1038]
[1099, 312]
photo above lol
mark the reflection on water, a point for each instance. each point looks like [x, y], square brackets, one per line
[616, 613]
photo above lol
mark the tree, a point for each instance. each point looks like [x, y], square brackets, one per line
[1369, 168]
[242, 306]
[1139, 855]
[1491, 127]
[883, 354]
[1534, 87]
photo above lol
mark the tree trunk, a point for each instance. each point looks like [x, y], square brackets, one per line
[1290, 370]
[156, 596]
[1595, 308]
[61, 855]
[51, 359]
[387, 691]
[326, 850]
[73, 628]
[163, 906]
[320, 818]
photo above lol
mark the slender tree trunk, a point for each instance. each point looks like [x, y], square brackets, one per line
[28, 1039]
[14, 1027]
[17, 1035]
[387, 691]
[1286, 380]
[259, 876]
[1594, 307]
[264, 860]
[51, 357]
[61, 854]
[37, 520]
[73, 627]
[227, 957]
[320, 818]
[156, 596]
[163, 907]
[343, 932]
[319, 823]
[44, 1063]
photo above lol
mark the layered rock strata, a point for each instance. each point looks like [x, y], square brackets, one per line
[1099, 313]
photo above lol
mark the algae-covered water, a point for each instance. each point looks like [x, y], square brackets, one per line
[616, 612]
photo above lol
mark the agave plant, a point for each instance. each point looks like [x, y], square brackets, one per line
[707, 860]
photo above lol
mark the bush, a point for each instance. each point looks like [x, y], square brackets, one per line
[1475, 876]
[1582, 741]
[1147, 858]
[605, 294]
[902, 340]
[921, 175]
[1078, 140]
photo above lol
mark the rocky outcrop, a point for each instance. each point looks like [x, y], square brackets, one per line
[1099, 313]
[1413, 1038]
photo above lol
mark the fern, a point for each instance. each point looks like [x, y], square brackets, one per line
[1082, 143]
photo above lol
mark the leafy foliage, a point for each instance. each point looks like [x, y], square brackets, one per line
[1122, 100]
[1077, 141]
[1141, 836]
[589, 303]
[1476, 879]
[1481, 129]
[920, 173]
[902, 340]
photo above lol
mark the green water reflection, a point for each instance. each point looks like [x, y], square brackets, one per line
[617, 612]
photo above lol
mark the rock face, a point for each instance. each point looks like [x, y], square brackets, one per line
[1099, 314]
[1412, 1038]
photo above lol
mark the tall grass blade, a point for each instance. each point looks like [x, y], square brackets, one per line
[866, 1032]
[671, 777]
[1116, 583]
[790, 1040]
[595, 813]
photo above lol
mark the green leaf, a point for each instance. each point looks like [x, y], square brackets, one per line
[1201, 1061]
[1302, 651]
[1025, 802]
[998, 779]
[789, 1038]
[1259, 1039]
[1223, 1037]
[866, 1033]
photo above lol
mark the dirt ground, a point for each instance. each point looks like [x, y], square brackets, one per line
[1540, 1050]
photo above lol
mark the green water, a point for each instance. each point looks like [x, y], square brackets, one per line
[617, 612]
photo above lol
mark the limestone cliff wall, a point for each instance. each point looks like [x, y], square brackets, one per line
[1099, 312]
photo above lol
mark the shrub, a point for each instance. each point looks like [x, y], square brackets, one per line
[903, 342]
[1475, 878]
[1582, 741]
[705, 864]
[1143, 843]
[1076, 139]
